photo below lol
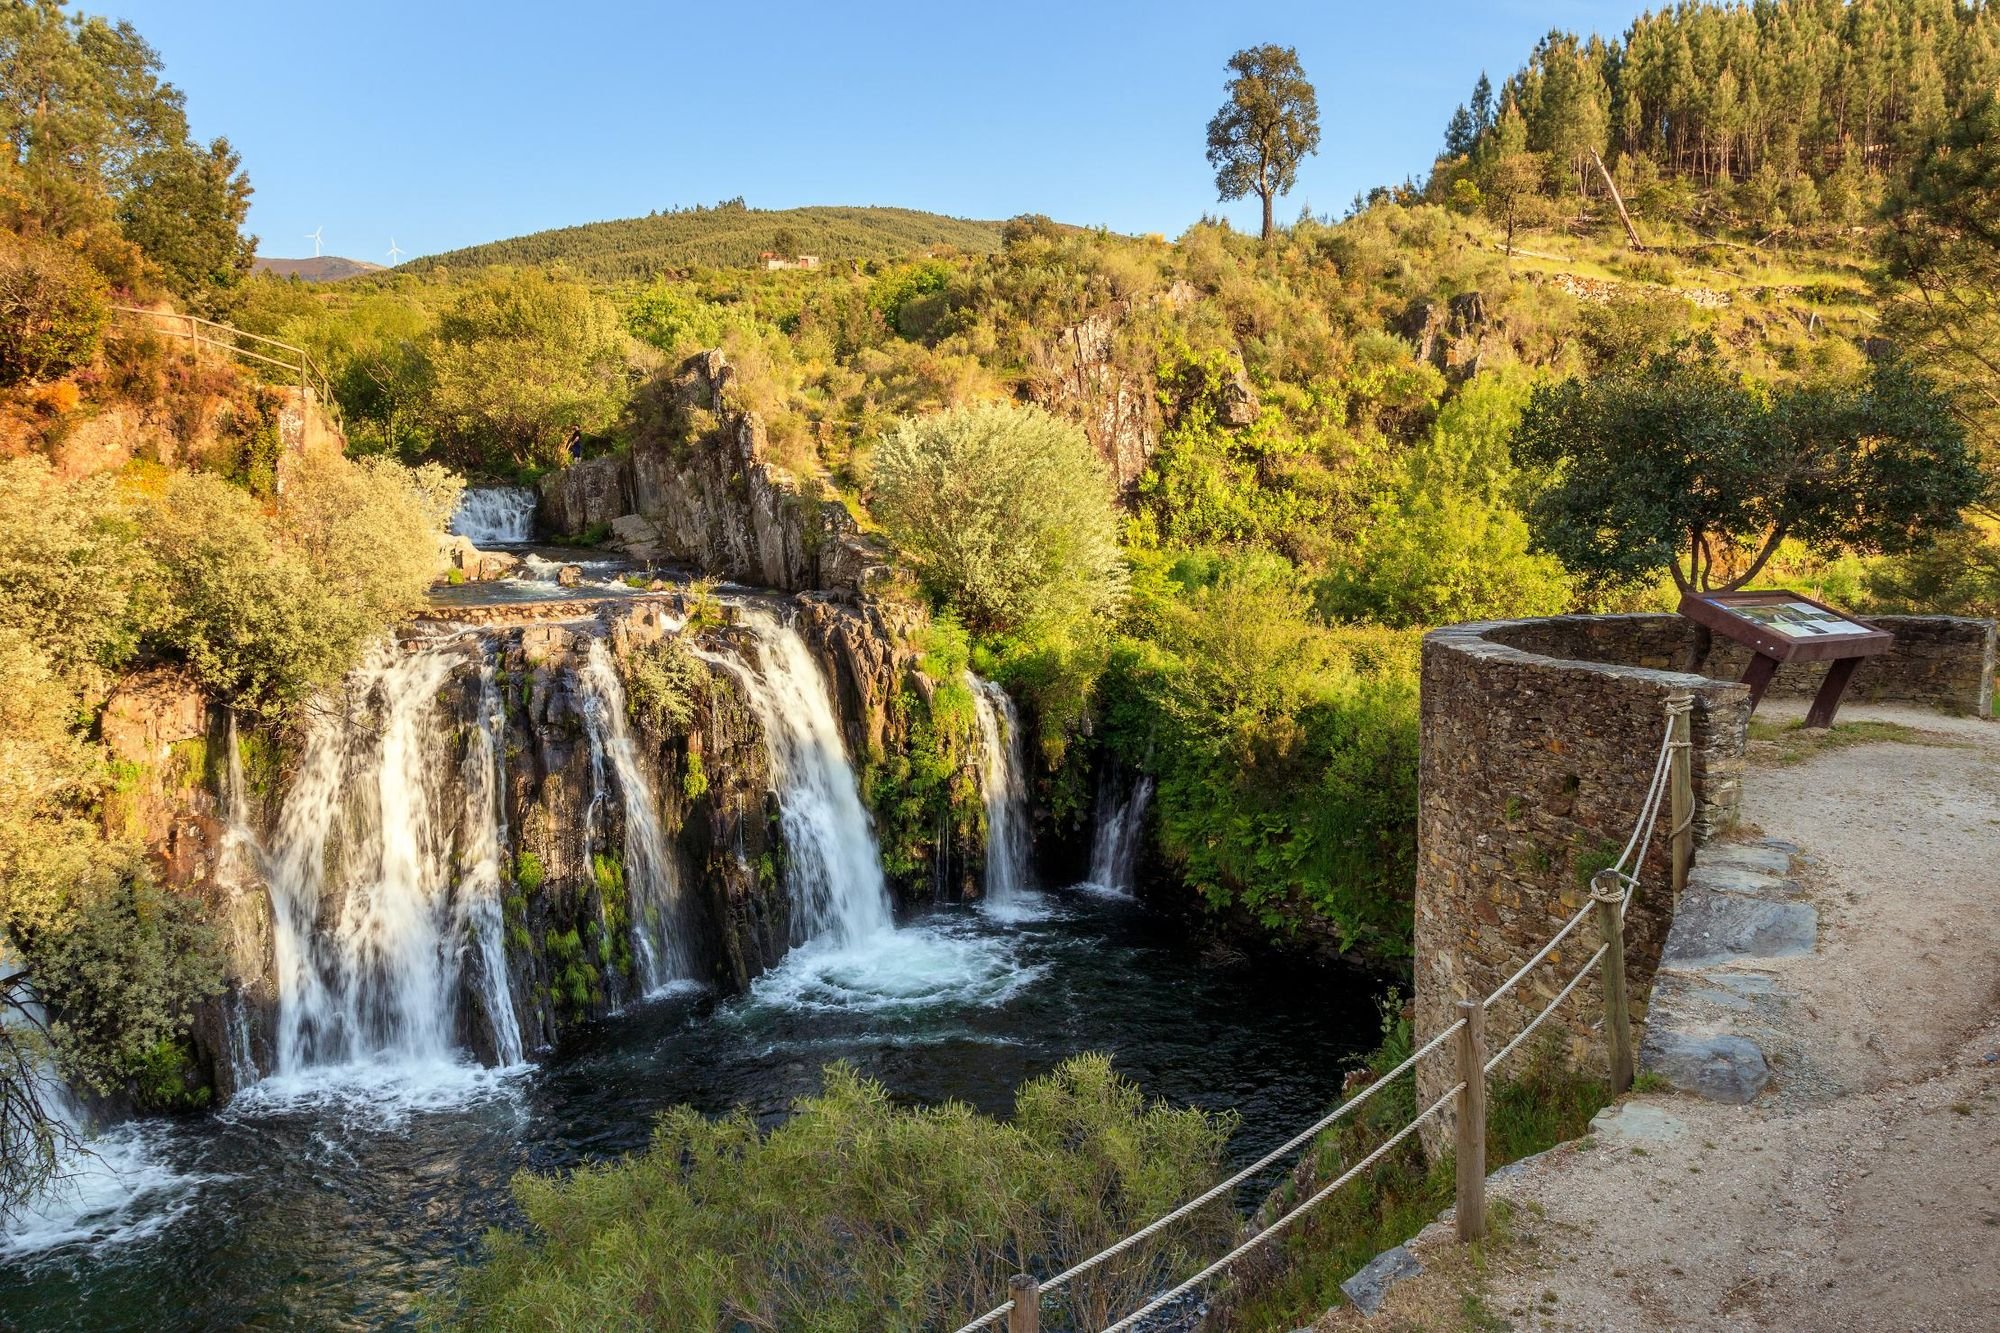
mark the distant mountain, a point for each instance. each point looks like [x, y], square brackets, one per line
[726, 236]
[324, 268]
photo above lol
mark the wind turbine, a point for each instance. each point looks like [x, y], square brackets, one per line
[314, 236]
[395, 254]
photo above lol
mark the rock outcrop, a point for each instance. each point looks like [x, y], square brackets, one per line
[698, 487]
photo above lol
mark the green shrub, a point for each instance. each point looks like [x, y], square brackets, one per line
[903, 1218]
[662, 680]
[1005, 513]
[53, 310]
[529, 872]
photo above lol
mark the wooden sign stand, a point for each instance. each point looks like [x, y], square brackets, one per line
[1781, 627]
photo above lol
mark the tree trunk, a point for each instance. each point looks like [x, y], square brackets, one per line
[1631, 232]
[1266, 196]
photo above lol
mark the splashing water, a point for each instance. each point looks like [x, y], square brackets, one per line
[478, 903]
[834, 869]
[1003, 782]
[496, 515]
[370, 921]
[1121, 825]
[237, 872]
[652, 885]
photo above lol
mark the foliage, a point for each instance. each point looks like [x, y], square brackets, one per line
[52, 311]
[265, 613]
[185, 210]
[518, 358]
[1005, 513]
[1285, 750]
[1682, 458]
[903, 1218]
[724, 236]
[1777, 115]
[662, 681]
[1268, 125]
[95, 139]
[71, 568]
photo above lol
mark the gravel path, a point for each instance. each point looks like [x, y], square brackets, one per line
[1861, 1192]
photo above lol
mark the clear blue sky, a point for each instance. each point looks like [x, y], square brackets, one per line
[446, 124]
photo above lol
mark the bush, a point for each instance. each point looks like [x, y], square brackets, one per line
[70, 565]
[661, 682]
[1004, 512]
[53, 309]
[899, 1218]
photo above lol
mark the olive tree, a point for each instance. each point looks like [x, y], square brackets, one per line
[1004, 512]
[1269, 123]
[1679, 465]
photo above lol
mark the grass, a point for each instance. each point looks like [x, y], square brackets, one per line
[1791, 742]
[1547, 1104]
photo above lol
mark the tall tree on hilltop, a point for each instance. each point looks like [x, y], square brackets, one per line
[1269, 123]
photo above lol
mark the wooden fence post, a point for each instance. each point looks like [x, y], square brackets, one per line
[1026, 1293]
[1680, 787]
[1471, 1150]
[1609, 893]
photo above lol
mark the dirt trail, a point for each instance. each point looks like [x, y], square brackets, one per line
[1862, 1191]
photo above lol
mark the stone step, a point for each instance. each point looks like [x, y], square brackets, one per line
[1721, 1067]
[1712, 929]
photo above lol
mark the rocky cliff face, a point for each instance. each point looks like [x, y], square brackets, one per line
[565, 907]
[698, 489]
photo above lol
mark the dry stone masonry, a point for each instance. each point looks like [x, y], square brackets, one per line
[1538, 740]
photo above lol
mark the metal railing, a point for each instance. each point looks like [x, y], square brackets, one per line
[1611, 892]
[295, 361]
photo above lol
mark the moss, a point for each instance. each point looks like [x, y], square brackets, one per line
[187, 764]
[529, 872]
[165, 1078]
[454, 577]
[694, 782]
[1588, 862]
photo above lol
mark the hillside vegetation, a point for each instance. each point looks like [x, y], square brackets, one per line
[729, 235]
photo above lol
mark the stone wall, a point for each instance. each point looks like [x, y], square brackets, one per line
[1532, 773]
[1939, 662]
[1538, 739]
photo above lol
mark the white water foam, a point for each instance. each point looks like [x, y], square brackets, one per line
[1004, 785]
[898, 971]
[117, 1189]
[371, 923]
[495, 515]
[653, 889]
[833, 866]
[1121, 826]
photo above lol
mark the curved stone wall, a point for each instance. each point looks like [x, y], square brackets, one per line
[1535, 761]
[1538, 741]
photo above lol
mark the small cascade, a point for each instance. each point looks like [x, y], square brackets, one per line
[1121, 824]
[652, 885]
[369, 916]
[1003, 782]
[238, 873]
[496, 515]
[484, 846]
[834, 868]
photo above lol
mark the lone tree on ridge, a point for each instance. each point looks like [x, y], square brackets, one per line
[1269, 123]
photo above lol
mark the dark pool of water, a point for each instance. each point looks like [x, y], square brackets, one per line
[341, 1205]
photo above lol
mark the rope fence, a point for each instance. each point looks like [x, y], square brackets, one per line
[1612, 890]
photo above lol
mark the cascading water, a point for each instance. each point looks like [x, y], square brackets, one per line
[1121, 823]
[835, 869]
[1003, 783]
[370, 918]
[236, 872]
[496, 515]
[652, 886]
[485, 841]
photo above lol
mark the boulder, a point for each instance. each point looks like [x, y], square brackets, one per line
[1720, 1068]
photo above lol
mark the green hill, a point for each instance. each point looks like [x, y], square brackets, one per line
[725, 236]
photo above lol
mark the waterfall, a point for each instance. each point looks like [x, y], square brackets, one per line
[1114, 850]
[236, 871]
[480, 917]
[651, 884]
[496, 515]
[1003, 781]
[370, 918]
[833, 866]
